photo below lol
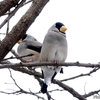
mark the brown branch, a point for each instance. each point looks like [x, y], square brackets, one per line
[21, 27]
[35, 64]
[5, 5]
[69, 89]
[65, 87]
[12, 13]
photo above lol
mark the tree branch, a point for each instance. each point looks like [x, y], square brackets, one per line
[87, 74]
[17, 56]
[65, 87]
[91, 93]
[37, 64]
[20, 91]
[69, 89]
[6, 5]
[12, 13]
[21, 27]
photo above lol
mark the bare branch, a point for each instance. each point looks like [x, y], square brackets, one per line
[87, 74]
[12, 13]
[37, 64]
[65, 87]
[20, 91]
[91, 93]
[36, 95]
[69, 89]
[5, 5]
[21, 27]
[14, 80]
[7, 30]
[49, 96]
[17, 56]
[16, 92]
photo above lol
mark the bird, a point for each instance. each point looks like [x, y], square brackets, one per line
[28, 45]
[54, 49]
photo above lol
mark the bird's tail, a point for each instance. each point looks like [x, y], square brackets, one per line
[44, 88]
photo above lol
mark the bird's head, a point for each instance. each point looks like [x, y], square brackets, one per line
[24, 37]
[58, 27]
[27, 38]
[61, 27]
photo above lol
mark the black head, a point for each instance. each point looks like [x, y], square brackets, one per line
[59, 25]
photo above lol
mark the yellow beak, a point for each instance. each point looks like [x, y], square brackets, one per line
[19, 41]
[63, 29]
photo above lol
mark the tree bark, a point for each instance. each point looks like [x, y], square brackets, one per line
[21, 27]
[6, 5]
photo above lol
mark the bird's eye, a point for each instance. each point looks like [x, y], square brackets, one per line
[35, 39]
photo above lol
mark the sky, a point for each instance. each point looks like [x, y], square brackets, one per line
[82, 19]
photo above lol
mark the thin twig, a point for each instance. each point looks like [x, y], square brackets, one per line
[49, 96]
[18, 57]
[20, 91]
[12, 13]
[84, 87]
[69, 89]
[81, 75]
[91, 93]
[8, 24]
[14, 80]
[2, 33]
[21, 6]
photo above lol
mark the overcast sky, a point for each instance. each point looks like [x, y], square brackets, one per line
[82, 18]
